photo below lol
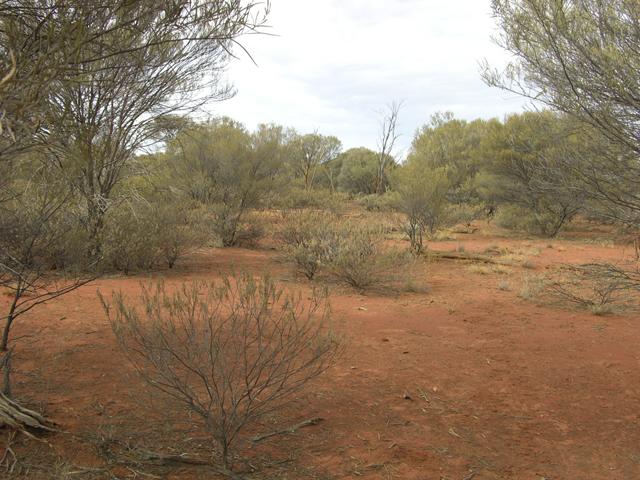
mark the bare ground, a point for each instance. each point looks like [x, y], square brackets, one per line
[468, 381]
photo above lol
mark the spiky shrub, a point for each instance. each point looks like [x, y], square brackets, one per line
[230, 352]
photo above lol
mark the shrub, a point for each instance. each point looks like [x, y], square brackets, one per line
[311, 239]
[546, 223]
[140, 235]
[386, 202]
[361, 262]
[129, 238]
[422, 197]
[299, 198]
[250, 231]
[230, 352]
[179, 230]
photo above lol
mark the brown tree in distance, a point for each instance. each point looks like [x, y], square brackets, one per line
[386, 143]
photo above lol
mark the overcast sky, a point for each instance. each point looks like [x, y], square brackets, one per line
[332, 65]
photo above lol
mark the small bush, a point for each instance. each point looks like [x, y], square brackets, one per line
[129, 239]
[299, 198]
[532, 286]
[362, 262]
[311, 240]
[387, 202]
[543, 223]
[230, 353]
[141, 235]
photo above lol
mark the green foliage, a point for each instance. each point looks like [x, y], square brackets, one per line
[140, 235]
[525, 171]
[299, 198]
[221, 164]
[446, 142]
[311, 240]
[309, 153]
[386, 202]
[535, 222]
[581, 58]
[422, 193]
[361, 261]
[358, 172]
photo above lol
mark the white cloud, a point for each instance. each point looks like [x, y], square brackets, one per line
[331, 65]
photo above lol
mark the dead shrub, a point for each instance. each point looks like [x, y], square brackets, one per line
[230, 352]
[600, 288]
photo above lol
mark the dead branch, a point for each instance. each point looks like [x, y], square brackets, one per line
[463, 257]
[156, 458]
[292, 429]
[9, 459]
[22, 419]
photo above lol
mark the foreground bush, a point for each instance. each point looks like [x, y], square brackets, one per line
[230, 352]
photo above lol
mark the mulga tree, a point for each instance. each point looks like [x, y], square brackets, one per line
[523, 170]
[167, 58]
[310, 152]
[582, 58]
[224, 166]
[359, 171]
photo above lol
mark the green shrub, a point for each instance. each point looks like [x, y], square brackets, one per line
[178, 231]
[311, 239]
[299, 198]
[387, 202]
[546, 223]
[129, 239]
[140, 235]
[361, 261]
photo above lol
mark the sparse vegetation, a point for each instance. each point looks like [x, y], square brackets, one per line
[600, 288]
[361, 261]
[532, 286]
[112, 165]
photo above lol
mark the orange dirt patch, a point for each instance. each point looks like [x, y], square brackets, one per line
[467, 381]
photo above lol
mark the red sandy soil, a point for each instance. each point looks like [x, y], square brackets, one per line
[467, 381]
